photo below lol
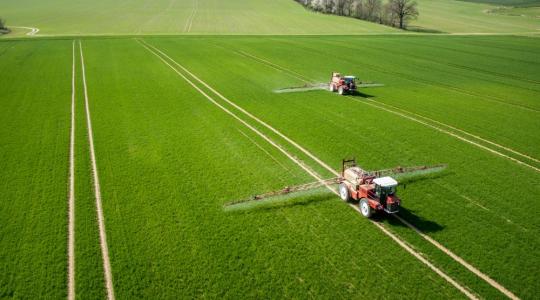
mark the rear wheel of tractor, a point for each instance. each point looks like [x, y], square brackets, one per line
[365, 209]
[344, 192]
[341, 91]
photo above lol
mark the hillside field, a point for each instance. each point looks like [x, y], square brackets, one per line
[179, 130]
[448, 16]
[241, 17]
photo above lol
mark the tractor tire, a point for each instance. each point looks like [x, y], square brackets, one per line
[341, 91]
[365, 209]
[344, 192]
[332, 88]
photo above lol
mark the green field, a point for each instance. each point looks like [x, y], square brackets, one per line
[60, 17]
[169, 159]
[183, 117]
[170, 17]
[465, 17]
[516, 3]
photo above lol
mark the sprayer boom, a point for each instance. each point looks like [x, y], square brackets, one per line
[289, 190]
[348, 167]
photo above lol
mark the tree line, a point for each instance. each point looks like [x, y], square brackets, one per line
[396, 13]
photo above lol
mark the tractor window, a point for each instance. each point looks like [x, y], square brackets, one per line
[384, 191]
[391, 190]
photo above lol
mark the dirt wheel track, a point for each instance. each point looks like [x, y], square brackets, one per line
[97, 191]
[71, 197]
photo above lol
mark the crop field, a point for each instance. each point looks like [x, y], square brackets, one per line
[61, 17]
[240, 17]
[469, 17]
[515, 3]
[165, 130]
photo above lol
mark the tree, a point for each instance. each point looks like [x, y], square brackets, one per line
[403, 10]
[372, 10]
[357, 9]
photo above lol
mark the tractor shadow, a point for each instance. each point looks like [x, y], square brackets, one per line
[361, 95]
[424, 225]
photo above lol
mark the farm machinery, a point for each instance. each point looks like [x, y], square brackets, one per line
[372, 191]
[342, 84]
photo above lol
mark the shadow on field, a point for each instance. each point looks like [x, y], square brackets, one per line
[361, 94]
[422, 224]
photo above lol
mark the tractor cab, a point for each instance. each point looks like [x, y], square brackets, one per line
[385, 191]
[350, 82]
[349, 79]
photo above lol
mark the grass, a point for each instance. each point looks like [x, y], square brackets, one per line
[466, 17]
[237, 17]
[175, 17]
[508, 2]
[448, 201]
[89, 279]
[168, 232]
[523, 12]
[169, 159]
[34, 154]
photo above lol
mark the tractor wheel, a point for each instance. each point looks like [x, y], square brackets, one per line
[332, 88]
[341, 91]
[365, 209]
[344, 192]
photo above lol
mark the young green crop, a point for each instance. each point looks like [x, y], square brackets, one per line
[35, 98]
[467, 17]
[168, 161]
[164, 17]
[471, 206]
[125, 17]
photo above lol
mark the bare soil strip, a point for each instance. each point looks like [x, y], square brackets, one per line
[393, 111]
[71, 199]
[97, 191]
[400, 242]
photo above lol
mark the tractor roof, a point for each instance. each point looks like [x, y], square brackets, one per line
[385, 181]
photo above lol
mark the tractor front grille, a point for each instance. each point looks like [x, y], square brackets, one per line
[392, 208]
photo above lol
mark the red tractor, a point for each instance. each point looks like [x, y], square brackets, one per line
[375, 190]
[342, 84]
[374, 193]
